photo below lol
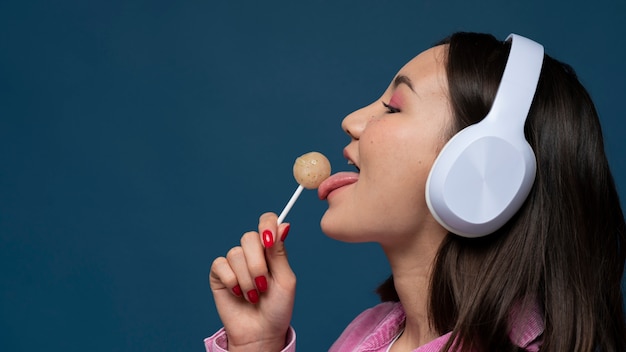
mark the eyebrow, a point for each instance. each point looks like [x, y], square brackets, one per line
[402, 79]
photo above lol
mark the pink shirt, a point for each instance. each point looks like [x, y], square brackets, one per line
[376, 328]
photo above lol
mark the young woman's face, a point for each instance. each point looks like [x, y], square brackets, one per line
[394, 142]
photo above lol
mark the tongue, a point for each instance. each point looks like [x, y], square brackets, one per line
[335, 181]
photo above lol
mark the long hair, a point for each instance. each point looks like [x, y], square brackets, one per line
[565, 248]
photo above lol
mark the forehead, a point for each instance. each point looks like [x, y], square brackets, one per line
[426, 71]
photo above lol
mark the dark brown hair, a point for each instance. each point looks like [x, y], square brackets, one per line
[564, 249]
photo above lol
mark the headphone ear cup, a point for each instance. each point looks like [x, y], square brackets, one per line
[479, 180]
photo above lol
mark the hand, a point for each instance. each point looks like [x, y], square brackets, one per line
[254, 289]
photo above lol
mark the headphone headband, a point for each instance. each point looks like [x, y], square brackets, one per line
[519, 82]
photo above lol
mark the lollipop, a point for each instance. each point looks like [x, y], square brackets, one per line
[309, 170]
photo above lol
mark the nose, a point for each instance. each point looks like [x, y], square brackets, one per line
[355, 122]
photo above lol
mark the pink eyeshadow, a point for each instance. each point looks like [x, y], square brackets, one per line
[396, 100]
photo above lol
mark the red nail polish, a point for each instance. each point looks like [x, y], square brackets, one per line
[253, 296]
[285, 233]
[261, 283]
[268, 239]
[237, 291]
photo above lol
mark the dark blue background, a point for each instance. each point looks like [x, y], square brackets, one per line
[139, 139]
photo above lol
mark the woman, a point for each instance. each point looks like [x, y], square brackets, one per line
[548, 279]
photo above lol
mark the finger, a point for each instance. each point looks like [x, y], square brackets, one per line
[237, 261]
[277, 255]
[268, 228]
[255, 259]
[222, 276]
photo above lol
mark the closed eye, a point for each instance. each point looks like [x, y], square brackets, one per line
[390, 109]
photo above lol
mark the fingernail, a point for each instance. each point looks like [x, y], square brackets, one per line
[268, 239]
[237, 291]
[285, 233]
[261, 283]
[253, 296]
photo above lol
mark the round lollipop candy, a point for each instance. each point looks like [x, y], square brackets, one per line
[309, 170]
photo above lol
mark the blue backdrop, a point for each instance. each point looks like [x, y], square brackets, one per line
[139, 139]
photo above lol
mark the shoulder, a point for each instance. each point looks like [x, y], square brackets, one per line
[374, 326]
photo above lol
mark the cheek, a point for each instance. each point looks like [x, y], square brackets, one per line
[393, 148]
[379, 141]
[398, 173]
[395, 174]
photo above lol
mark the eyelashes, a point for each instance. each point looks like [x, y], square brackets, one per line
[390, 109]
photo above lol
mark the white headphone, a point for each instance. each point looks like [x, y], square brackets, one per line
[484, 173]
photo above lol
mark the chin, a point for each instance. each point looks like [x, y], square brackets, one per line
[337, 231]
[327, 226]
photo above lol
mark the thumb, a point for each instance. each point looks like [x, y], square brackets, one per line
[277, 254]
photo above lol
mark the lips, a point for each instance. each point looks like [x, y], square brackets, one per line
[336, 181]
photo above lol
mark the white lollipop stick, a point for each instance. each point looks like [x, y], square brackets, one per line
[290, 204]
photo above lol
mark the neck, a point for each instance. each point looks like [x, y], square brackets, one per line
[411, 265]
